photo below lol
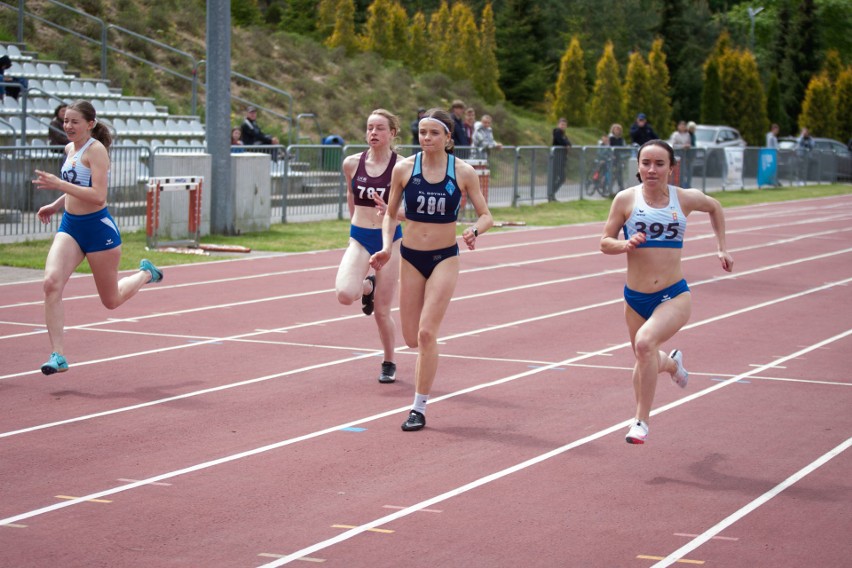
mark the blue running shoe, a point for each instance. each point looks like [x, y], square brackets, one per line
[56, 364]
[156, 273]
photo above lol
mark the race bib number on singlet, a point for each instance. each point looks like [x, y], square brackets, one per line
[431, 205]
[371, 192]
[656, 230]
[70, 176]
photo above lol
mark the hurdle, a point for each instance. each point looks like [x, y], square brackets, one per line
[156, 186]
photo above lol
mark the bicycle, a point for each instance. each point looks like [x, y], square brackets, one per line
[600, 177]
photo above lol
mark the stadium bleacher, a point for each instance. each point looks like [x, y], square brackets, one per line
[135, 120]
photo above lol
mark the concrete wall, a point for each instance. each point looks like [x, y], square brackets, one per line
[253, 190]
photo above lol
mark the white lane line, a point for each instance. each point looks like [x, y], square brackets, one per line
[482, 250]
[457, 298]
[429, 502]
[476, 331]
[185, 285]
[524, 465]
[751, 507]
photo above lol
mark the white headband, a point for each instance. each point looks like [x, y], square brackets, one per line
[432, 119]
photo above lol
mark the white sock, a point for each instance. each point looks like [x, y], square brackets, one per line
[420, 402]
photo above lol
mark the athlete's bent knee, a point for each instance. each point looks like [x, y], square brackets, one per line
[111, 303]
[644, 348]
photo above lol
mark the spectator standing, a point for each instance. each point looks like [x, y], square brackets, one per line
[460, 137]
[616, 139]
[804, 145]
[641, 131]
[681, 142]
[470, 123]
[14, 92]
[690, 127]
[415, 127]
[483, 138]
[56, 133]
[560, 145]
[772, 137]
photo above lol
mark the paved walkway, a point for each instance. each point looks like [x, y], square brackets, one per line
[9, 274]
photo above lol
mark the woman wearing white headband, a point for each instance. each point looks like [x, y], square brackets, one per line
[429, 185]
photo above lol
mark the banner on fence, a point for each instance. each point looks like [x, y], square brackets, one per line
[734, 169]
[767, 167]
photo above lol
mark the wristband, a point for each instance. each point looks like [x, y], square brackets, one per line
[475, 232]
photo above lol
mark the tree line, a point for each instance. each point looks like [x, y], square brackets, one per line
[603, 61]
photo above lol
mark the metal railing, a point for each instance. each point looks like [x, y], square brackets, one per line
[307, 182]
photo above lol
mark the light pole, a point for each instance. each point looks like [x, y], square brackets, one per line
[752, 12]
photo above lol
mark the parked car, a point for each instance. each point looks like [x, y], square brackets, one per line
[713, 139]
[841, 161]
[829, 160]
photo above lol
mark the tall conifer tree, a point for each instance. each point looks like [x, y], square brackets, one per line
[819, 108]
[843, 87]
[464, 42]
[440, 38]
[521, 53]
[605, 107]
[660, 104]
[344, 27]
[417, 57]
[637, 85]
[385, 31]
[571, 94]
[711, 94]
[487, 77]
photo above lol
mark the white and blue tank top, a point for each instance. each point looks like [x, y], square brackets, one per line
[664, 227]
[73, 170]
[432, 202]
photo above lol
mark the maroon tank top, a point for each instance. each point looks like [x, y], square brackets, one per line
[365, 186]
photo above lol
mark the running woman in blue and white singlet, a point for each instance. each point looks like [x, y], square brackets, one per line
[368, 180]
[430, 184]
[87, 230]
[652, 218]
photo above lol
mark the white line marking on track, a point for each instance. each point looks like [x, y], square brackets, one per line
[526, 464]
[454, 299]
[373, 354]
[135, 480]
[434, 500]
[751, 507]
[732, 538]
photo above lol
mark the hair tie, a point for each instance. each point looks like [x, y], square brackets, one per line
[433, 119]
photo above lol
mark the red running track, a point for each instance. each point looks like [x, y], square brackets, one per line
[231, 416]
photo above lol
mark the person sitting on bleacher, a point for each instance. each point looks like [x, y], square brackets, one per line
[5, 64]
[251, 132]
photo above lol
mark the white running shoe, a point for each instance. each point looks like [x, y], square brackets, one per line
[638, 432]
[680, 377]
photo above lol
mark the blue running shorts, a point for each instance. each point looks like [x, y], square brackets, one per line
[93, 232]
[645, 304]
